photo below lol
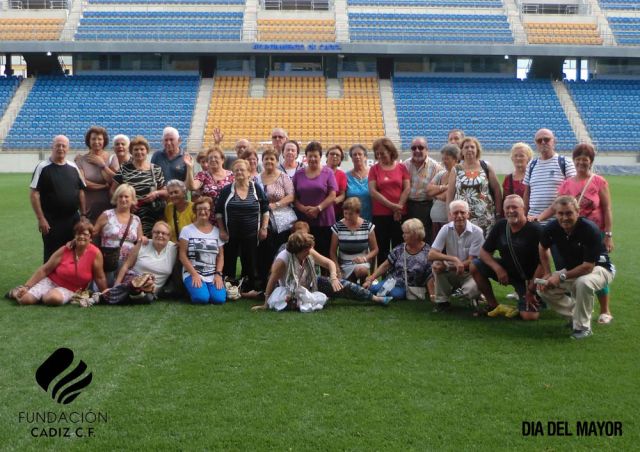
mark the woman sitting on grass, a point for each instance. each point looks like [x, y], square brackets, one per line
[407, 260]
[293, 282]
[68, 270]
[146, 270]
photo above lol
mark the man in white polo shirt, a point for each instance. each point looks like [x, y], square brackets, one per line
[453, 249]
[543, 177]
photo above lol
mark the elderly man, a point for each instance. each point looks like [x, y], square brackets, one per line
[171, 158]
[585, 267]
[543, 177]
[422, 170]
[241, 145]
[455, 136]
[517, 243]
[279, 137]
[57, 192]
[453, 249]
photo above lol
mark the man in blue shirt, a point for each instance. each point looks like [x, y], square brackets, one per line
[584, 268]
[171, 158]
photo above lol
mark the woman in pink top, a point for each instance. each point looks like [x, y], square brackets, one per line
[389, 186]
[68, 270]
[335, 155]
[592, 193]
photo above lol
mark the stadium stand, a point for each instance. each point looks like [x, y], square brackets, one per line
[395, 27]
[563, 33]
[8, 86]
[30, 29]
[625, 29]
[430, 3]
[620, 4]
[160, 25]
[166, 2]
[611, 111]
[133, 105]
[300, 105]
[321, 30]
[498, 111]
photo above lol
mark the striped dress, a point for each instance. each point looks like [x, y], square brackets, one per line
[352, 244]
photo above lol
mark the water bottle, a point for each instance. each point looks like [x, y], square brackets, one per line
[388, 284]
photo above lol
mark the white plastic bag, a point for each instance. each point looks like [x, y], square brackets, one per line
[278, 298]
[310, 301]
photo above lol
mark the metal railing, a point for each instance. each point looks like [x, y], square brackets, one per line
[39, 4]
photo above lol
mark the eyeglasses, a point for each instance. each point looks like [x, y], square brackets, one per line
[334, 154]
[544, 140]
[275, 137]
[203, 209]
[418, 148]
[159, 233]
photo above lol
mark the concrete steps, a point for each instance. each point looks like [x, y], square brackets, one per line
[250, 24]
[14, 107]
[342, 20]
[334, 88]
[513, 16]
[199, 120]
[389, 115]
[73, 20]
[257, 88]
[570, 110]
[603, 23]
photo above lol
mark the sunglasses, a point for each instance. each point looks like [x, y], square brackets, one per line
[544, 140]
[418, 148]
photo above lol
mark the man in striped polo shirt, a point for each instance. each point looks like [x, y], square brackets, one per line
[543, 177]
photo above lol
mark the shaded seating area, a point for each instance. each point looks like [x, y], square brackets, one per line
[30, 29]
[563, 33]
[296, 30]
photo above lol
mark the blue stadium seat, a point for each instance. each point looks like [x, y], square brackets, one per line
[133, 105]
[498, 111]
[8, 86]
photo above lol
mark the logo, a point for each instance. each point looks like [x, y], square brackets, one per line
[70, 385]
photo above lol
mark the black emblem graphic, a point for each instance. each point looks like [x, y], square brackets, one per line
[54, 366]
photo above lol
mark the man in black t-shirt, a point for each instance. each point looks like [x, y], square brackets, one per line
[517, 265]
[570, 290]
[57, 193]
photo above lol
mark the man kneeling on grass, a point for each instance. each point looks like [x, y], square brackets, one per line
[453, 249]
[517, 242]
[582, 262]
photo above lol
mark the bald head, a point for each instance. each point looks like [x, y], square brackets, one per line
[546, 143]
[242, 145]
[279, 137]
[59, 148]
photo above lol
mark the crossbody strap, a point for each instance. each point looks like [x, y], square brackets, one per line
[126, 231]
[584, 189]
[514, 256]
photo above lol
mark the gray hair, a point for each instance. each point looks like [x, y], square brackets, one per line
[415, 227]
[170, 131]
[122, 137]
[177, 183]
[459, 202]
[452, 150]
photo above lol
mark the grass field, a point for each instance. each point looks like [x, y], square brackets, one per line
[359, 377]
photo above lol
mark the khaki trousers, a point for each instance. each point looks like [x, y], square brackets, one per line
[449, 281]
[579, 303]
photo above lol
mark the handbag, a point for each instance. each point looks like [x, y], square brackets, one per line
[413, 292]
[282, 219]
[111, 254]
[157, 205]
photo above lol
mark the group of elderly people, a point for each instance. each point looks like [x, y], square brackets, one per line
[393, 230]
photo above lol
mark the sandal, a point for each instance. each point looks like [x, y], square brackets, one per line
[605, 319]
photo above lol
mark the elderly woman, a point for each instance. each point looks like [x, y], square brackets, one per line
[335, 156]
[147, 180]
[251, 156]
[389, 185]
[358, 180]
[146, 270]
[211, 182]
[294, 270]
[98, 168]
[242, 213]
[69, 269]
[118, 228]
[354, 237]
[438, 188]
[278, 189]
[315, 190]
[521, 155]
[474, 181]
[592, 192]
[407, 265]
[179, 211]
[121, 148]
[201, 253]
[290, 154]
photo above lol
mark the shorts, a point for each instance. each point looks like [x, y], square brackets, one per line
[45, 285]
[518, 284]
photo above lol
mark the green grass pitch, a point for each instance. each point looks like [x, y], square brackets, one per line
[172, 376]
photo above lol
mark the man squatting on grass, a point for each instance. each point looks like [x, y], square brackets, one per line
[583, 265]
[517, 243]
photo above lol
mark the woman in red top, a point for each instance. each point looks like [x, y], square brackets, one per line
[68, 270]
[335, 155]
[389, 186]
[521, 155]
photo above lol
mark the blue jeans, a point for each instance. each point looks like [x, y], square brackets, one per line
[398, 293]
[206, 293]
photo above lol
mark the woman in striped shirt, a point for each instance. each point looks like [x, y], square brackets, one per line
[354, 237]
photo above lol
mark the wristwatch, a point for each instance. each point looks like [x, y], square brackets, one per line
[563, 277]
